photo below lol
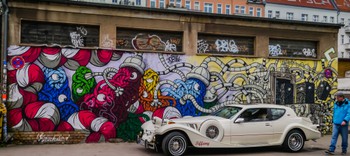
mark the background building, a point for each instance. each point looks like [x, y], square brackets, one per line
[237, 7]
[311, 11]
[344, 32]
[141, 3]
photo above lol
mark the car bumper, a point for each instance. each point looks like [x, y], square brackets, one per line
[145, 143]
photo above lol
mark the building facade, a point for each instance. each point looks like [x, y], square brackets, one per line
[237, 7]
[141, 3]
[118, 67]
[344, 32]
[344, 46]
[308, 11]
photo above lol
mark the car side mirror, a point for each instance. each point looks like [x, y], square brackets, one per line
[239, 120]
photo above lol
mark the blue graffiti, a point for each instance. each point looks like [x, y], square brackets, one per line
[191, 86]
[56, 91]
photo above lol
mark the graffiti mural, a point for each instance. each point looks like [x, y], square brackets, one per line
[109, 94]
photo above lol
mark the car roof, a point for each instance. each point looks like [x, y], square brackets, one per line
[260, 105]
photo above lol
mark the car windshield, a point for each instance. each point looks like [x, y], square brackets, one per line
[227, 112]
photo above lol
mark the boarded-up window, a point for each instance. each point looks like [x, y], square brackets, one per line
[292, 48]
[149, 40]
[219, 44]
[34, 32]
[284, 91]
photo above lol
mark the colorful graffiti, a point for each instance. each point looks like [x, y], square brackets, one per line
[109, 94]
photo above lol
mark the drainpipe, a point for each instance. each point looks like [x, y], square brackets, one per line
[4, 65]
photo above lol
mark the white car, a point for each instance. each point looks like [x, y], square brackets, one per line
[234, 126]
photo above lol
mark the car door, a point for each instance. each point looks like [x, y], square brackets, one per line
[254, 130]
[278, 122]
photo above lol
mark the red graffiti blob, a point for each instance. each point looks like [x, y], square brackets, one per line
[113, 104]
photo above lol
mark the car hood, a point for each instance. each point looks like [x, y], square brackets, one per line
[198, 119]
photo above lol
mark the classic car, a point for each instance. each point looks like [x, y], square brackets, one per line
[233, 126]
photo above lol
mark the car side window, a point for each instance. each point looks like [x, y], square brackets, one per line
[254, 115]
[276, 113]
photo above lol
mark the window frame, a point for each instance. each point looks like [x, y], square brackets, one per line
[315, 18]
[178, 4]
[197, 4]
[269, 14]
[210, 7]
[153, 2]
[161, 5]
[254, 118]
[237, 9]
[304, 17]
[242, 11]
[251, 11]
[290, 15]
[277, 14]
[188, 4]
[229, 9]
[258, 12]
[217, 8]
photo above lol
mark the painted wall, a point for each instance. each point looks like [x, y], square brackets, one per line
[110, 94]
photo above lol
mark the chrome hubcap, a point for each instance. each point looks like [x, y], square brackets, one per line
[177, 145]
[295, 141]
[212, 132]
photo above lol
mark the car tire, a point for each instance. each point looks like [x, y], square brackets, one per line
[174, 144]
[213, 126]
[294, 141]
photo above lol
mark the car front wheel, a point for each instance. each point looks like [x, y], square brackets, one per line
[294, 141]
[175, 144]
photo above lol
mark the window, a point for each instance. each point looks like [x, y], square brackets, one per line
[304, 17]
[276, 113]
[269, 14]
[277, 14]
[251, 11]
[237, 9]
[227, 112]
[178, 3]
[172, 3]
[342, 39]
[331, 19]
[161, 3]
[138, 2]
[315, 19]
[242, 9]
[325, 19]
[59, 33]
[196, 6]
[114, 1]
[254, 115]
[208, 7]
[223, 44]
[219, 11]
[188, 4]
[140, 39]
[292, 48]
[290, 16]
[228, 9]
[153, 3]
[342, 21]
[258, 12]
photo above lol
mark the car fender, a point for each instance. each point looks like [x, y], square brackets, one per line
[194, 136]
[309, 132]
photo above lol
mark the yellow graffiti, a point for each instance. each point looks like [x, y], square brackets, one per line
[146, 91]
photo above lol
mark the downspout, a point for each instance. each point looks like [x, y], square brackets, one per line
[4, 67]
